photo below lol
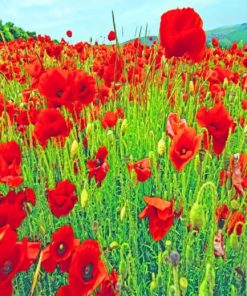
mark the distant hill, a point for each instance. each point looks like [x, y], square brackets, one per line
[11, 32]
[226, 35]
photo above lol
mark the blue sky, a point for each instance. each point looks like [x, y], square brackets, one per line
[92, 18]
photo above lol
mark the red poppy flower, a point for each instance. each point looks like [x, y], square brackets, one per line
[113, 71]
[10, 161]
[109, 119]
[181, 33]
[235, 223]
[87, 271]
[15, 257]
[142, 169]
[111, 36]
[83, 86]
[51, 124]
[12, 207]
[215, 42]
[64, 291]
[222, 213]
[98, 167]
[244, 104]
[69, 33]
[184, 147]
[55, 87]
[245, 62]
[174, 124]
[62, 199]
[238, 171]
[61, 249]
[218, 122]
[161, 216]
[109, 285]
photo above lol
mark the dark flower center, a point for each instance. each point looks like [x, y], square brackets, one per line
[83, 88]
[61, 249]
[98, 163]
[213, 125]
[59, 93]
[7, 267]
[183, 151]
[87, 273]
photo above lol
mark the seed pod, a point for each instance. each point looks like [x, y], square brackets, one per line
[174, 258]
[84, 198]
[74, 149]
[197, 216]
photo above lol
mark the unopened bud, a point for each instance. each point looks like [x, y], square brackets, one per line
[84, 198]
[197, 216]
[124, 126]
[74, 149]
[161, 147]
[123, 213]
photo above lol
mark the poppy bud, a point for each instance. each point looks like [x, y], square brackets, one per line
[191, 88]
[84, 198]
[114, 245]
[161, 147]
[168, 244]
[74, 149]
[225, 82]
[183, 285]
[153, 284]
[110, 136]
[89, 129]
[123, 213]
[235, 204]
[124, 127]
[197, 216]
[234, 243]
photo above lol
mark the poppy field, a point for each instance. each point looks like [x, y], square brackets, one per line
[123, 167]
